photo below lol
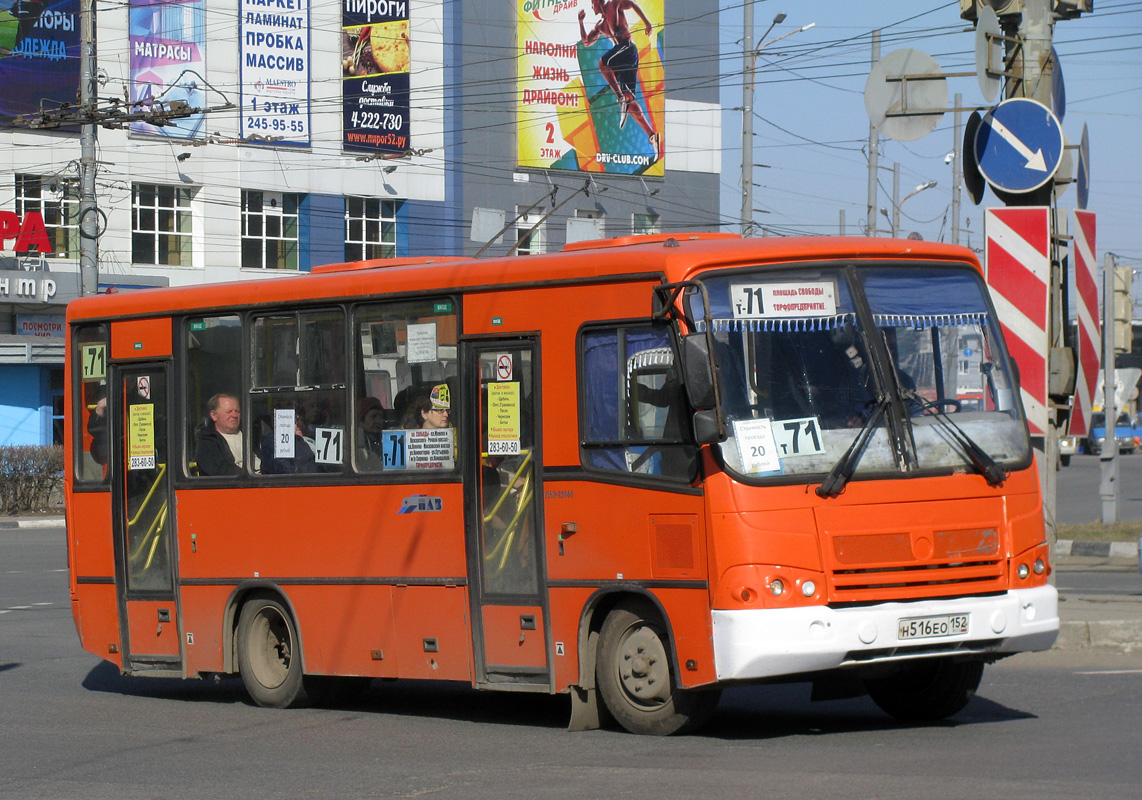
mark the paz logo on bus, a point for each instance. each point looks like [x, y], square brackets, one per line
[421, 502]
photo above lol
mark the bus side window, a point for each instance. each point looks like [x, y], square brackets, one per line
[297, 394]
[213, 367]
[406, 353]
[91, 417]
[632, 411]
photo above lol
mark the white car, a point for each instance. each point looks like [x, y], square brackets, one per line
[1068, 446]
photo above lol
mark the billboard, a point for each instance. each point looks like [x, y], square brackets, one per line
[39, 56]
[273, 52]
[375, 59]
[168, 61]
[590, 86]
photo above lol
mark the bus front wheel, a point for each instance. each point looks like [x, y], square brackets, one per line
[928, 690]
[634, 676]
[269, 654]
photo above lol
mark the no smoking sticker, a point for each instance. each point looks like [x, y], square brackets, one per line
[504, 367]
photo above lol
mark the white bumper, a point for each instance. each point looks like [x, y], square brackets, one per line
[770, 643]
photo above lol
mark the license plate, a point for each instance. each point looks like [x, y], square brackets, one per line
[929, 627]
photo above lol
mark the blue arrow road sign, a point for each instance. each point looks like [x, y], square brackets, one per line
[1019, 145]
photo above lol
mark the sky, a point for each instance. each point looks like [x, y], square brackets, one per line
[811, 127]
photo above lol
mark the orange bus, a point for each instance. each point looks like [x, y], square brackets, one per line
[634, 471]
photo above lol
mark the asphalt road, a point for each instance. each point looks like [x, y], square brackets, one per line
[1079, 499]
[1045, 725]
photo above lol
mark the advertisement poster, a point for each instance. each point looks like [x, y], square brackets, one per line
[39, 56]
[273, 53]
[503, 419]
[375, 75]
[168, 61]
[590, 86]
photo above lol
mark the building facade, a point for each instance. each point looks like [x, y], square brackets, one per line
[322, 132]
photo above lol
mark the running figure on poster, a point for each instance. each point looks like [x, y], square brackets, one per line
[620, 64]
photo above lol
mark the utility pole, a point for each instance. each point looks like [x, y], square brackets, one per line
[957, 168]
[1108, 457]
[88, 206]
[873, 156]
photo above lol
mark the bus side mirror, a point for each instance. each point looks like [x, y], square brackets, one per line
[698, 370]
[707, 427]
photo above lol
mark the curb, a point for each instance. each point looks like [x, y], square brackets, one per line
[1122, 635]
[1072, 547]
[31, 522]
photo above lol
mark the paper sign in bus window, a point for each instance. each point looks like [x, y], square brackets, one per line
[328, 445]
[283, 432]
[421, 343]
[503, 419]
[94, 357]
[393, 449]
[798, 437]
[756, 446]
[789, 300]
[430, 448]
[141, 436]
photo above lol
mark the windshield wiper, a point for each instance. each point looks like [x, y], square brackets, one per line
[843, 470]
[984, 464]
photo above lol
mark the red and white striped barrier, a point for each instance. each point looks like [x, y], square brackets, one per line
[1018, 270]
[1084, 264]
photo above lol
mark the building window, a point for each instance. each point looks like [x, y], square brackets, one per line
[57, 201]
[645, 223]
[528, 242]
[370, 228]
[160, 225]
[270, 230]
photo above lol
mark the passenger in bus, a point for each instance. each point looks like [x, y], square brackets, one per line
[97, 427]
[370, 423]
[218, 450]
[431, 410]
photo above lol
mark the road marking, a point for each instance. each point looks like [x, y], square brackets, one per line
[3, 611]
[1112, 672]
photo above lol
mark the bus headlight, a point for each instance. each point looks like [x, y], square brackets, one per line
[808, 588]
[1039, 566]
[776, 587]
[1023, 571]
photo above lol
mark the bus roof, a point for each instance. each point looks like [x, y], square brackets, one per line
[674, 256]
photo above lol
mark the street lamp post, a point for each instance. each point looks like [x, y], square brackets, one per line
[897, 203]
[749, 70]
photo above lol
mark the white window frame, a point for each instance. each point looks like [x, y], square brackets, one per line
[377, 223]
[530, 244]
[172, 221]
[648, 223]
[57, 201]
[283, 246]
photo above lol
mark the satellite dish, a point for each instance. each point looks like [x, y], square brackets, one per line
[989, 64]
[973, 178]
[1082, 178]
[906, 110]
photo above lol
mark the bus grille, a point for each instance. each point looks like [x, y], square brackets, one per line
[898, 565]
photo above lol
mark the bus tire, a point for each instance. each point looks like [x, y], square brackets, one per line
[633, 675]
[927, 690]
[269, 655]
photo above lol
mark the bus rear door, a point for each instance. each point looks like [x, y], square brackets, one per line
[504, 531]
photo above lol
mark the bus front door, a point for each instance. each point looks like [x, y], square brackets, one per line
[504, 494]
[143, 506]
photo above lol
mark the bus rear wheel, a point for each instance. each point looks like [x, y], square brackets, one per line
[928, 690]
[269, 655]
[634, 676]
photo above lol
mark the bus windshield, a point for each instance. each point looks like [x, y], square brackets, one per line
[812, 359]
